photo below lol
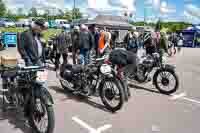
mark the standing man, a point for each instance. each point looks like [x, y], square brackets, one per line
[75, 43]
[131, 41]
[104, 42]
[30, 45]
[63, 43]
[86, 42]
[96, 36]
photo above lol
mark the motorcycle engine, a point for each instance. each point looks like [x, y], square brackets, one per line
[145, 64]
[148, 62]
[141, 73]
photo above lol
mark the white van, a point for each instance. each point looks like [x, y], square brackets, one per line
[62, 23]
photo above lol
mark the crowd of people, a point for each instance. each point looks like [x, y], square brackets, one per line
[86, 41]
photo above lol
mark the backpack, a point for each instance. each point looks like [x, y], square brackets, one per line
[122, 57]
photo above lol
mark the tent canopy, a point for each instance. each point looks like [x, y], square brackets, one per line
[113, 22]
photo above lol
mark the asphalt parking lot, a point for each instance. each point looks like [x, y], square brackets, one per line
[148, 111]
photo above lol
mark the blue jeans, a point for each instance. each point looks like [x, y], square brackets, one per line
[85, 53]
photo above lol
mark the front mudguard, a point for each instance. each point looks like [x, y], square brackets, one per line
[43, 93]
[167, 66]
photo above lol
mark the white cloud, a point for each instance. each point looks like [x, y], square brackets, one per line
[190, 18]
[27, 4]
[193, 10]
[116, 7]
[166, 9]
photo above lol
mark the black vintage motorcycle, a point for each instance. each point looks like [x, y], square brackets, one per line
[97, 77]
[164, 75]
[23, 90]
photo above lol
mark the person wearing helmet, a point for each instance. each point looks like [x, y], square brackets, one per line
[30, 45]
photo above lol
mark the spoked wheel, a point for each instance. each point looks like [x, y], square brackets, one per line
[166, 81]
[172, 51]
[42, 118]
[112, 94]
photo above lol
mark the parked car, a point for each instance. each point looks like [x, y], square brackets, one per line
[7, 23]
[23, 23]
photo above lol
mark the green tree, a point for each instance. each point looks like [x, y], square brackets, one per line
[76, 13]
[68, 14]
[2, 8]
[9, 14]
[33, 12]
[20, 11]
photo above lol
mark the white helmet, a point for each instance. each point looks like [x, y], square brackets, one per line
[76, 27]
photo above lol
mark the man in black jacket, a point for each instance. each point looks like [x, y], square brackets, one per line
[62, 45]
[30, 45]
[86, 43]
[75, 43]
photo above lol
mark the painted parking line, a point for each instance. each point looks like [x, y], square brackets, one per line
[191, 100]
[178, 96]
[91, 130]
[182, 96]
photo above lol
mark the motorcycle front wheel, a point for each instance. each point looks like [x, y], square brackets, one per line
[37, 120]
[110, 91]
[172, 51]
[162, 80]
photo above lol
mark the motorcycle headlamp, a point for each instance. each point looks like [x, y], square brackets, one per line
[105, 69]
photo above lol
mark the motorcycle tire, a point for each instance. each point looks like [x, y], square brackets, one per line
[161, 90]
[124, 85]
[103, 95]
[51, 119]
[174, 52]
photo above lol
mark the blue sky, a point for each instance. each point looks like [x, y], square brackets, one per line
[172, 9]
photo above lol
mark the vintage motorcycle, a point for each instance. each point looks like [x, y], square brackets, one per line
[95, 78]
[23, 89]
[164, 75]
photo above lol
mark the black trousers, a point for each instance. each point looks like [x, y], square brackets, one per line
[74, 52]
[57, 60]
